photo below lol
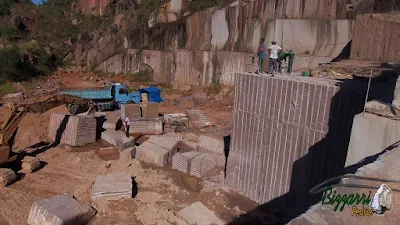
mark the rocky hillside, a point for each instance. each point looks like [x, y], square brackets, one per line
[91, 32]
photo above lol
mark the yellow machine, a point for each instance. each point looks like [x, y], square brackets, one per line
[9, 127]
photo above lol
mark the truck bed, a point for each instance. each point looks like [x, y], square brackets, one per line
[89, 94]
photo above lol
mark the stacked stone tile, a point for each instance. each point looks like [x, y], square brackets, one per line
[146, 126]
[112, 187]
[167, 143]
[152, 153]
[181, 161]
[133, 110]
[211, 145]
[52, 211]
[72, 130]
[197, 118]
[202, 163]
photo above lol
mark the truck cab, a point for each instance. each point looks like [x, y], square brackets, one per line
[121, 94]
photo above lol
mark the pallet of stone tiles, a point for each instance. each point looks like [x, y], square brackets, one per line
[167, 143]
[202, 163]
[133, 110]
[197, 118]
[152, 153]
[211, 144]
[150, 109]
[72, 130]
[181, 161]
[146, 126]
[112, 186]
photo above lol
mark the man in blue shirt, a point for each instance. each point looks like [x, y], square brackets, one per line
[261, 55]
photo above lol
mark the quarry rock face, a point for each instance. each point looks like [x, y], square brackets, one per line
[379, 31]
[96, 7]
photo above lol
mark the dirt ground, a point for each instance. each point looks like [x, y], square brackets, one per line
[161, 192]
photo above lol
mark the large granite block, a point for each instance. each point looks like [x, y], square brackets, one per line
[146, 126]
[181, 161]
[72, 130]
[203, 163]
[152, 153]
[133, 110]
[211, 145]
[167, 143]
[118, 139]
[60, 210]
[150, 109]
[112, 187]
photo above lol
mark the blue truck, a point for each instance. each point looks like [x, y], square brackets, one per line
[111, 98]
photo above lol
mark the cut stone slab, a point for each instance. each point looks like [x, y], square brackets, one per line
[72, 130]
[118, 139]
[203, 163]
[150, 109]
[112, 187]
[113, 119]
[152, 153]
[167, 143]
[197, 118]
[181, 161]
[127, 154]
[211, 144]
[60, 210]
[146, 126]
[199, 214]
[133, 110]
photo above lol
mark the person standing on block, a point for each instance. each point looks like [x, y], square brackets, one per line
[127, 125]
[261, 55]
[273, 51]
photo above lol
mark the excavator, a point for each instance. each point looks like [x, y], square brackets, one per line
[9, 127]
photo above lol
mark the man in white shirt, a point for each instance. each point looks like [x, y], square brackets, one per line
[273, 51]
[127, 125]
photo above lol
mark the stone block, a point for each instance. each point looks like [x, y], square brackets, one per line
[211, 144]
[197, 119]
[113, 120]
[128, 153]
[152, 153]
[146, 126]
[118, 139]
[370, 135]
[150, 109]
[112, 187]
[202, 163]
[199, 214]
[167, 143]
[181, 161]
[60, 210]
[72, 130]
[133, 110]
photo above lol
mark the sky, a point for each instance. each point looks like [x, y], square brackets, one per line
[37, 1]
